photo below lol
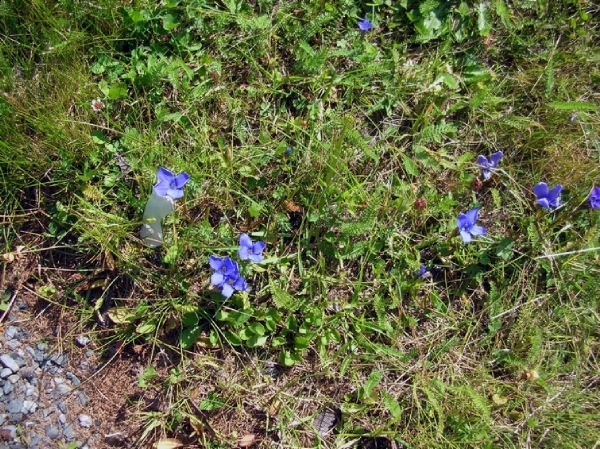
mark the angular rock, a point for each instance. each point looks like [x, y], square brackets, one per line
[15, 405]
[29, 406]
[52, 432]
[69, 433]
[85, 421]
[9, 362]
[14, 378]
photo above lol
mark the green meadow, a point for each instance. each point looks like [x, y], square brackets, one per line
[351, 153]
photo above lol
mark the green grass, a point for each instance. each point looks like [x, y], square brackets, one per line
[377, 122]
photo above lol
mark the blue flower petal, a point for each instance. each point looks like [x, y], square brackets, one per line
[472, 216]
[164, 175]
[466, 237]
[217, 279]
[181, 179]
[161, 189]
[495, 158]
[240, 284]
[244, 253]
[258, 247]
[541, 190]
[543, 202]
[175, 193]
[477, 231]
[245, 241]
[554, 193]
[462, 221]
[365, 24]
[483, 161]
[215, 262]
[227, 290]
[487, 174]
[256, 257]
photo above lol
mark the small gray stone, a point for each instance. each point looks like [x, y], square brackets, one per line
[62, 418]
[59, 360]
[63, 389]
[85, 421]
[35, 442]
[17, 358]
[89, 353]
[73, 378]
[5, 373]
[40, 357]
[52, 432]
[29, 407]
[69, 433]
[30, 392]
[15, 418]
[2, 419]
[8, 388]
[15, 405]
[9, 362]
[11, 332]
[82, 341]
[13, 345]
[42, 346]
[62, 407]
[14, 378]
[82, 398]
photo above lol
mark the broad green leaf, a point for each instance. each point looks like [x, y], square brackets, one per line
[374, 379]
[410, 166]
[256, 341]
[232, 338]
[121, 315]
[148, 374]
[188, 336]
[392, 405]
[118, 91]
[145, 328]
[169, 22]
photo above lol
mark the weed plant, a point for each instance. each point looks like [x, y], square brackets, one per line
[350, 152]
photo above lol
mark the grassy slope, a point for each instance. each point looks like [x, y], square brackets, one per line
[376, 121]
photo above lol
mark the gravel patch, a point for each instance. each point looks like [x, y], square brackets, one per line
[41, 405]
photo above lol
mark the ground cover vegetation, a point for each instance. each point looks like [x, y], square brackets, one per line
[414, 287]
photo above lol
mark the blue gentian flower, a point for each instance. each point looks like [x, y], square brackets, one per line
[249, 250]
[548, 199]
[288, 151]
[422, 272]
[595, 197]
[365, 24]
[467, 226]
[226, 276]
[488, 166]
[169, 184]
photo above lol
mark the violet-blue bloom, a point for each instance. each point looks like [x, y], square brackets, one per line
[249, 250]
[595, 198]
[547, 198]
[226, 276]
[467, 227]
[422, 272]
[488, 166]
[288, 151]
[365, 24]
[169, 184]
